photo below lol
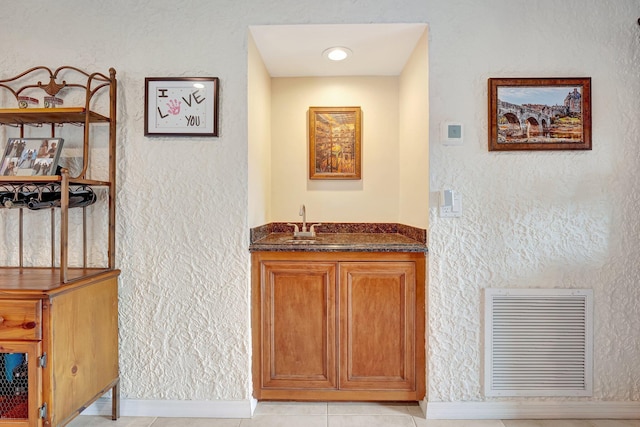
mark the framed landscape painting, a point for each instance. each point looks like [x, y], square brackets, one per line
[335, 143]
[539, 114]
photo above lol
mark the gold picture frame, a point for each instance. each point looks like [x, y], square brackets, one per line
[335, 143]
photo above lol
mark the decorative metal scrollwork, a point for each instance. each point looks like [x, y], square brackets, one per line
[53, 87]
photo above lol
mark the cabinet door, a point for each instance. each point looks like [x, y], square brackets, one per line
[378, 326]
[298, 333]
[20, 379]
[83, 344]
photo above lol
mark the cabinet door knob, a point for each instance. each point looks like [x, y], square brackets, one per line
[1, 319]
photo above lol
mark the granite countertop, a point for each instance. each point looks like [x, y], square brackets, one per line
[341, 237]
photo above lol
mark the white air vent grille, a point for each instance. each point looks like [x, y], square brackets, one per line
[538, 342]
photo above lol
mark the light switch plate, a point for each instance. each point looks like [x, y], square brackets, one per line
[452, 133]
[450, 204]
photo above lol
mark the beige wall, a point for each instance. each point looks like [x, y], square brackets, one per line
[374, 198]
[395, 150]
[259, 137]
[414, 138]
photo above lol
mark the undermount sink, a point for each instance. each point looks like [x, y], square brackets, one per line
[302, 241]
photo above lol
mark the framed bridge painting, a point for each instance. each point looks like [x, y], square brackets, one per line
[539, 114]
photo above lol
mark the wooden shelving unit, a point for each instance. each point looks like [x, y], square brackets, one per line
[21, 116]
[63, 320]
[92, 85]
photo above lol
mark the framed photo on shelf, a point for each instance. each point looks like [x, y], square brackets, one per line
[31, 156]
[539, 114]
[335, 143]
[181, 106]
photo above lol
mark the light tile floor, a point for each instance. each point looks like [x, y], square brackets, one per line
[272, 414]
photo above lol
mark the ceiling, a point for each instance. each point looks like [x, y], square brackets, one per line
[296, 50]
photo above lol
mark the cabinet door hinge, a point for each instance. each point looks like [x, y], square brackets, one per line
[42, 360]
[43, 411]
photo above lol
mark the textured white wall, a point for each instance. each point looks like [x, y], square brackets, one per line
[545, 219]
[530, 219]
[182, 202]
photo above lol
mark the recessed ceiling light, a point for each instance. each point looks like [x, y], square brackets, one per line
[337, 53]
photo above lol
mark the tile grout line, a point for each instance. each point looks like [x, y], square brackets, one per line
[327, 414]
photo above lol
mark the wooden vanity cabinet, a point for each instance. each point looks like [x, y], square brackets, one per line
[339, 326]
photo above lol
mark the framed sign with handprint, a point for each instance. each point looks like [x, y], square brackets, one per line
[181, 106]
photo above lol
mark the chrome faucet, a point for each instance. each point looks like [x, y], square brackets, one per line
[303, 214]
[304, 232]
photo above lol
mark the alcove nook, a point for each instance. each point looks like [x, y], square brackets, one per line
[386, 75]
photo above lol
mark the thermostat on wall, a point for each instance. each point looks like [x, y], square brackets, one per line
[451, 133]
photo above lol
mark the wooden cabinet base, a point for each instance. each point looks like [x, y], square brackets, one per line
[339, 326]
[68, 335]
[303, 395]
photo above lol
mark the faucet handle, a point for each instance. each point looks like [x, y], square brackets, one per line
[296, 229]
[311, 230]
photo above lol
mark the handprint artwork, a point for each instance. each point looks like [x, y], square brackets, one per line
[180, 108]
[174, 107]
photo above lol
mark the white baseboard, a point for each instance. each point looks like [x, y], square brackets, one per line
[532, 410]
[176, 408]
[434, 410]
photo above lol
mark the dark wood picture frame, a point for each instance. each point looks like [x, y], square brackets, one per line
[539, 114]
[335, 143]
[181, 106]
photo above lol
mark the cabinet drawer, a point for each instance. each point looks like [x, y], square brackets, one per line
[20, 320]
